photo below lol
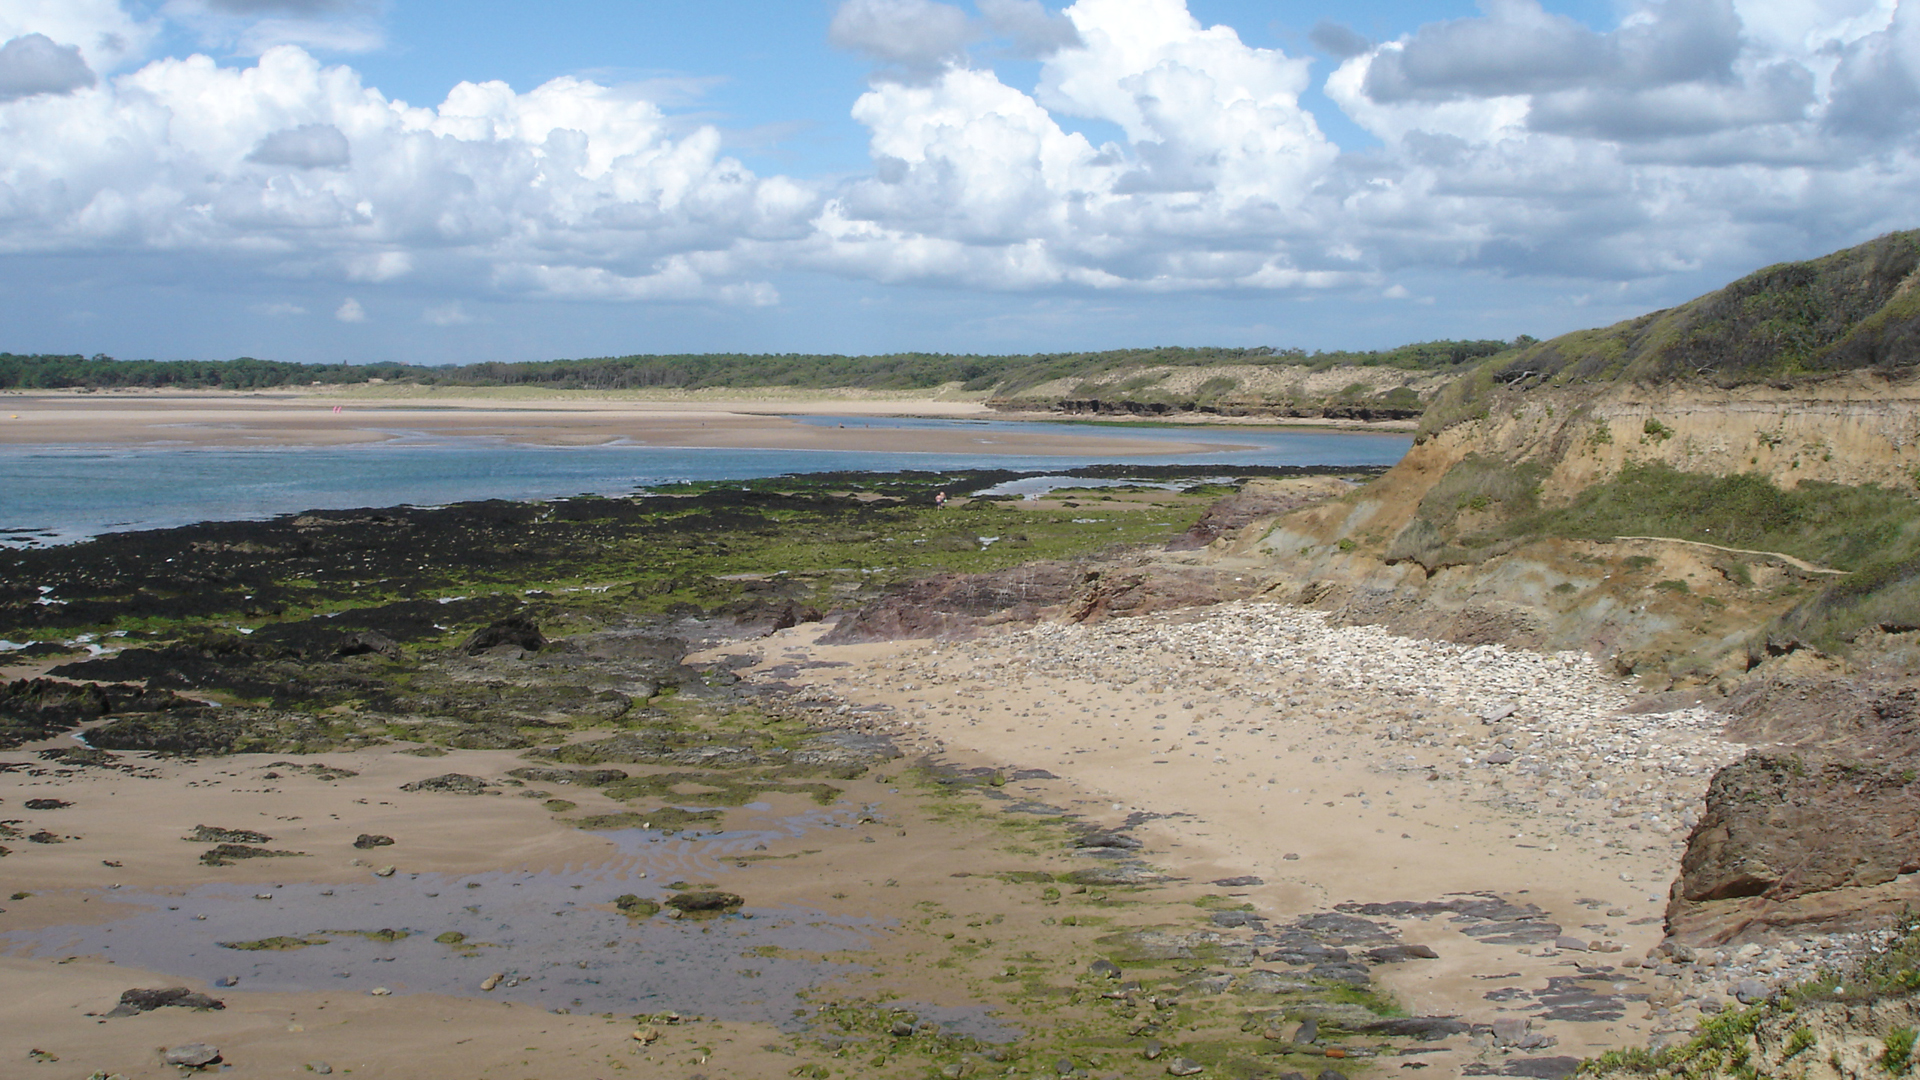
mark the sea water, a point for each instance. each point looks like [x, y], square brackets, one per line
[54, 494]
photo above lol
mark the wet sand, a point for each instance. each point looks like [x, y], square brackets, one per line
[226, 419]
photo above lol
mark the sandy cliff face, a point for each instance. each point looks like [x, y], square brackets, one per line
[1856, 428]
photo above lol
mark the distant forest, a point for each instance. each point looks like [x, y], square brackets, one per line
[894, 371]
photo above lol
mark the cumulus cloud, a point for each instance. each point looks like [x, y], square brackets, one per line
[304, 8]
[1514, 142]
[978, 183]
[350, 311]
[1876, 88]
[1695, 133]
[32, 64]
[1338, 40]
[309, 146]
[916, 35]
[107, 36]
[1034, 30]
[298, 169]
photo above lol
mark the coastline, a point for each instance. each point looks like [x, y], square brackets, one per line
[735, 419]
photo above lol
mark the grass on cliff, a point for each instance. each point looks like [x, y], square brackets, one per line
[1484, 507]
[1851, 310]
[1834, 525]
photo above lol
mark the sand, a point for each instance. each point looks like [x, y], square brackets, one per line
[221, 418]
[1281, 768]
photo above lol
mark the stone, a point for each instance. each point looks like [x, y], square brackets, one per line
[1500, 757]
[704, 901]
[372, 840]
[1569, 943]
[900, 1029]
[449, 783]
[1181, 1066]
[1749, 991]
[1394, 954]
[1509, 1030]
[320, 1068]
[192, 1055]
[492, 980]
[1152, 1050]
[1104, 969]
[1308, 1031]
[133, 1002]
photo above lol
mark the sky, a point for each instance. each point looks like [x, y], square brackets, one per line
[435, 182]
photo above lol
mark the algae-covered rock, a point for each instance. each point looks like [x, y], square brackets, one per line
[705, 901]
[450, 783]
[228, 854]
[636, 907]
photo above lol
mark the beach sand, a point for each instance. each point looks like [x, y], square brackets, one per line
[281, 418]
[1335, 764]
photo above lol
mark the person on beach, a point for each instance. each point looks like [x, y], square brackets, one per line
[939, 500]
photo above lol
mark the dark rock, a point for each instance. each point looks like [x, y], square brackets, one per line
[1107, 840]
[1238, 882]
[209, 834]
[365, 642]
[1553, 1068]
[1261, 981]
[1424, 1028]
[1181, 1066]
[1308, 1031]
[450, 783]
[1104, 969]
[228, 854]
[1394, 954]
[1231, 919]
[1351, 974]
[580, 777]
[514, 631]
[1331, 1074]
[46, 804]
[35, 709]
[704, 900]
[139, 1001]
[45, 837]
[372, 840]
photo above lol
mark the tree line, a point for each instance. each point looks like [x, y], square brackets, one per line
[694, 371]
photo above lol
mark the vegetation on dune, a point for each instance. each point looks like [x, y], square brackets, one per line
[1004, 374]
[1852, 310]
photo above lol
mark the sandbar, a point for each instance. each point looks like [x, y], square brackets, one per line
[332, 418]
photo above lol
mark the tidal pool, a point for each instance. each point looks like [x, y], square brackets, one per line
[550, 934]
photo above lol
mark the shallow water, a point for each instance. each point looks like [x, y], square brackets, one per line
[539, 928]
[62, 494]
